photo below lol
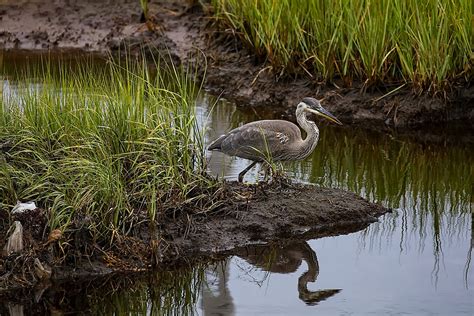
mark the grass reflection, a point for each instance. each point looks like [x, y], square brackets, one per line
[398, 173]
[174, 292]
[165, 293]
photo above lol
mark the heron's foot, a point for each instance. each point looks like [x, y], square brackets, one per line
[275, 175]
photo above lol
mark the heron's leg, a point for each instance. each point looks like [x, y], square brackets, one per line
[242, 174]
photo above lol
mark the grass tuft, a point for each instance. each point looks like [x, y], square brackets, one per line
[427, 44]
[113, 145]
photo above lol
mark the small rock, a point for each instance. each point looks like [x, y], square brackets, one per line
[55, 235]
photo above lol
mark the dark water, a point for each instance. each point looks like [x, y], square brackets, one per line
[414, 261]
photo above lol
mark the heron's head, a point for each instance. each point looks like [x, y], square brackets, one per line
[314, 106]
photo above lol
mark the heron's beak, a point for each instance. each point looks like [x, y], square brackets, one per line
[325, 113]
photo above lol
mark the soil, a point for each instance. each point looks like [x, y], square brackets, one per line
[266, 212]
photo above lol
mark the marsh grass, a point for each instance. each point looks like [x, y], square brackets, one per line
[427, 44]
[144, 6]
[115, 145]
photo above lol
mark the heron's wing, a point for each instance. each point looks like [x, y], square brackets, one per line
[260, 139]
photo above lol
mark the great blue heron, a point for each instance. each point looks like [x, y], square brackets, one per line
[280, 140]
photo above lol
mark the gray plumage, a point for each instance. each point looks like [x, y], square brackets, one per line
[274, 139]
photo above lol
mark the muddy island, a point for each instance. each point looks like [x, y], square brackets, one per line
[255, 214]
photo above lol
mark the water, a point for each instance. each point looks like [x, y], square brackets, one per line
[414, 261]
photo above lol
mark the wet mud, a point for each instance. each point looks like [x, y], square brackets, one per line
[265, 212]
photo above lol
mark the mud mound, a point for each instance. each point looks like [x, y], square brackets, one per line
[250, 214]
[263, 213]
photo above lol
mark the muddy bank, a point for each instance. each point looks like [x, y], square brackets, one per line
[50, 25]
[235, 73]
[263, 213]
[188, 34]
[252, 214]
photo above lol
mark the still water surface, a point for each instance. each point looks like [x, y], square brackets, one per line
[416, 260]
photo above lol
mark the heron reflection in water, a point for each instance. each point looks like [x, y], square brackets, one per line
[278, 140]
[287, 259]
[274, 259]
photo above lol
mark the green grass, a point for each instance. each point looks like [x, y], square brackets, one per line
[426, 44]
[115, 145]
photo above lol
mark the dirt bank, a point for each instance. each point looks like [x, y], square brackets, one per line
[184, 32]
[252, 214]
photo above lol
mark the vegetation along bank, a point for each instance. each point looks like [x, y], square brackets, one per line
[381, 65]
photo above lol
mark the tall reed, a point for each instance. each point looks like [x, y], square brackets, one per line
[427, 44]
[113, 145]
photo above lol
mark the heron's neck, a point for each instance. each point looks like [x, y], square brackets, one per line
[311, 259]
[312, 132]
